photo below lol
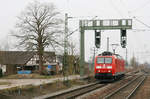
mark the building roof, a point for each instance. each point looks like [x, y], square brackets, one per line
[20, 57]
[50, 56]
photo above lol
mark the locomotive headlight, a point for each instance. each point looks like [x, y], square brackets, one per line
[109, 70]
[98, 67]
[109, 67]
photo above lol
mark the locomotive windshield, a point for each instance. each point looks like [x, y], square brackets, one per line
[108, 60]
[101, 60]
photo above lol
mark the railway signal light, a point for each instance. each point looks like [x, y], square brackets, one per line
[123, 33]
[97, 38]
[123, 38]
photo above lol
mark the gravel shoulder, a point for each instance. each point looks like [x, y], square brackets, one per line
[144, 91]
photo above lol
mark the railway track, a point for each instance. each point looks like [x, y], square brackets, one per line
[73, 93]
[126, 91]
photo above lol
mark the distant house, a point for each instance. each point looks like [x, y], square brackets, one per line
[12, 61]
[72, 61]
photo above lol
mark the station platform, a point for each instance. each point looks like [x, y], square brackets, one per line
[35, 82]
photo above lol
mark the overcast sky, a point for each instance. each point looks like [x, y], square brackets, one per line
[138, 39]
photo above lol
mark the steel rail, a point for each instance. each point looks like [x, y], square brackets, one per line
[73, 92]
[111, 94]
[135, 89]
[86, 90]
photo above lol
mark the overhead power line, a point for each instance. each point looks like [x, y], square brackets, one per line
[143, 30]
[77, 28]
[141, 22]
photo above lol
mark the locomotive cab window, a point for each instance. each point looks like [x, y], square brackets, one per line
[108, 60]
[100, 60]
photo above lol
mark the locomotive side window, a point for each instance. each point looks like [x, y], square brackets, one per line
[100, 60]
[108, 60]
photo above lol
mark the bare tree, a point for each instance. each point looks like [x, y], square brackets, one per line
[38, 27]
[72, 57]
[133, 62]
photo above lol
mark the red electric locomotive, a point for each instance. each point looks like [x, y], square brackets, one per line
[109, 66]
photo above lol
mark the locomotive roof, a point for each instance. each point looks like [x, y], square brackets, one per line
[107, 53]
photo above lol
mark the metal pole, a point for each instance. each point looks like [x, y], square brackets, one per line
[114, 51]
[65, 71]
[94, 57]
[81, 50]
[107, 43]
[126, 57]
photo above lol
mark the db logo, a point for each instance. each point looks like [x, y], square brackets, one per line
[104, 66]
